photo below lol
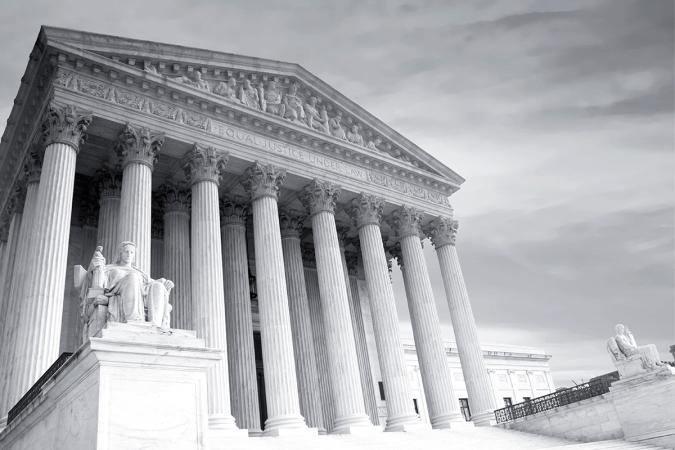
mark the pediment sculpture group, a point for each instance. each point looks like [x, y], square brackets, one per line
[628, 357]
[120, 292]
[288, 105]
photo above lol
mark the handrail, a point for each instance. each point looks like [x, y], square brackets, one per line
[35, 390]
[553, 400]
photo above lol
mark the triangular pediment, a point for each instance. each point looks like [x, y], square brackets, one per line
[281, 89]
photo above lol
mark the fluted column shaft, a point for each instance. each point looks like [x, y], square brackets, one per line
[108, 222]
[479, 389]
[434, 367]
[240, 350]
[20, 233]
[177, 266]
[365, 373]
[281, 385]
[208, 300]
[42, 296]
[135, 223]
[400, 410]
[157, 258]
[303, 338]
[8, 257]
[80, 236]
[320, 350]
[342, 358]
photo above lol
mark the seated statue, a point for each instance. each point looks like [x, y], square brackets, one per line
[227, 90]
[629, 358]
[120, 292]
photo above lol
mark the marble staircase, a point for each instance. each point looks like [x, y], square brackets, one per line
[459, 439]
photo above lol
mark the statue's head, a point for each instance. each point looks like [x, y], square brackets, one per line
[126, 253]
[620, 328]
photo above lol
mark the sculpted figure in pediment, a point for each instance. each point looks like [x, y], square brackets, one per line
[271, 99]
[374, 145]
[293, 105]
[354, 136]
[151, 69]
[335, 126]
[227, 90]
[316, 120]
[120, 292]
[201, 83]
[248, 95]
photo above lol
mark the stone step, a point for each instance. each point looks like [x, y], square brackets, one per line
[614, 444]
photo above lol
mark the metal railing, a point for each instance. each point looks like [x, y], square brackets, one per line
[35, 390]
[553, 400]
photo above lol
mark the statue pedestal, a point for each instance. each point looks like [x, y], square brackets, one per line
[133, 387]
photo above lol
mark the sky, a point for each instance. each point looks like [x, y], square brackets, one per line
[559, 114]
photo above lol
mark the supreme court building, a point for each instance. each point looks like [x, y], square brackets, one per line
[275, 205]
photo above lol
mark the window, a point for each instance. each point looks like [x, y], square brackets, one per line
[417, 411]
[522, 378]
[381, 386]
[464, 408]
[507, 401]
[526, 399]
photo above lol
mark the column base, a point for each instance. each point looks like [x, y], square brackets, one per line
[450, 421]
[406, 424]
[254, 433]
[484, 419]
[356, 424]
[3, 423]
[291, 425]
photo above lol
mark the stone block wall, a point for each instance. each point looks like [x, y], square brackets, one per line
[594, 419]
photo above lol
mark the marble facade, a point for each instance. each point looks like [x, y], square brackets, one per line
[260, 191]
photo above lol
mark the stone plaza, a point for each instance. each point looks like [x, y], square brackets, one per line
[204, 229]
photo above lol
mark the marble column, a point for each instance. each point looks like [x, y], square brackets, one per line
[443, 232]
[320, 351]
[175, 201]
[281, 387]
[70, 321]
[157, 246]
[240, 350]
[303, 338]
[320, 198]
[441, 401]
[367, 212]
[21, 207]
[108, 184]
[14, 211]
[203, 169]
[138, 149]
[42, 292]
[367, 385]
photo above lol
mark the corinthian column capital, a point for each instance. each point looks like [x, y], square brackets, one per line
[108, 182]
[205, 163]
[138, 145]
[406, 222]
[442, 231]
[367, 209]
[321, 196]
[291, 225]
[233, 212]
[174, 198]
[33, 166]
[264, 180]
[65, 124]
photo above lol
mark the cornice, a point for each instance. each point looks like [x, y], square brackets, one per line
[182, 59]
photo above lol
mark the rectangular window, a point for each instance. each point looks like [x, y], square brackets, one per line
[417, 411]
[381, 386]
[464, 408]
[507, 401]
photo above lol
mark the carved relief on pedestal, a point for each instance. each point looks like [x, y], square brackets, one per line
[291, 225]
[138, 145]
[367, 209]
[205, 163]
[442, 231]
[66, 124]
[321, 196]
[261, 180]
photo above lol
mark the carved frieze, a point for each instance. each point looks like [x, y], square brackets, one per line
[442, 231]
[263, 180]
[205, 163]
[138, 145]
[320, 196]
[65, 124]
[291, 225]
[367, 209]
